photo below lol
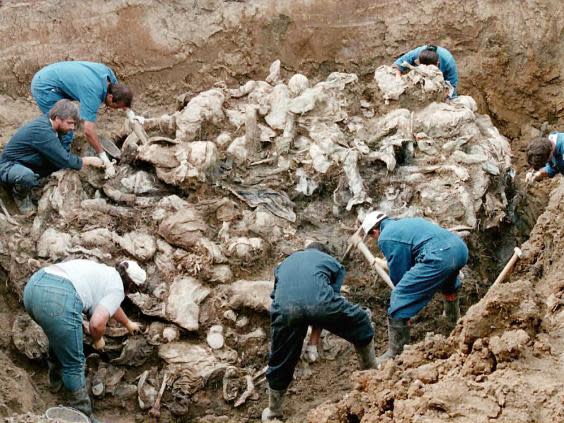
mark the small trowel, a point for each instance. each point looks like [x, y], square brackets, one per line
[110, 148]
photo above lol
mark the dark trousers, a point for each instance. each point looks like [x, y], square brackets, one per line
[289, 325]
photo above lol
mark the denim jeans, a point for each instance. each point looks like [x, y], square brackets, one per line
[18, 176]
[55, 305]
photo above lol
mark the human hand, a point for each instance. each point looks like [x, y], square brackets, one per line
[133, 327]
[531, 176]
[99, 344]
[92, 161]
[110, 170]
[311, 354]
[355, 240]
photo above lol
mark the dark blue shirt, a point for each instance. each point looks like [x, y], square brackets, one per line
[307, 277]
[37, 145]
[405, 242]
[556, 162]
[86, 82]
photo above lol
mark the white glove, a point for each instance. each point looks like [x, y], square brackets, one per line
[110, 170]
[132, 116]
[311, 355]
[531, 176]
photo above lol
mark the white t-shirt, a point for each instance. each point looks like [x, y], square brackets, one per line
[95, 283]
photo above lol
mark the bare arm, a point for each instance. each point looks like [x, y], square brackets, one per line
[92, 136]
[315, 336]
[121, 317]
[98, 322]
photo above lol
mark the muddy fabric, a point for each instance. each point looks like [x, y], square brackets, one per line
[306, 292]
[55, 305]
[423, 258]
[556, 162]
[447, 64]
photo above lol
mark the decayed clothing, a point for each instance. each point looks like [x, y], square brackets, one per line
[423, 258]
[306, 292]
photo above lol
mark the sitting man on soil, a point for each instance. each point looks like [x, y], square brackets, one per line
[546, 156]
[36, 150]
[57, 295]
[423, 258]
[89, 83]
[431, 55]
[306, 292]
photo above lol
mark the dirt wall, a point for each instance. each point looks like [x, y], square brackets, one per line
[509, 53]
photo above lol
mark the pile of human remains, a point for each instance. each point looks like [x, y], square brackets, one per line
[210, 197]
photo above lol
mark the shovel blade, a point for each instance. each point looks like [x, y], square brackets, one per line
[110, 148]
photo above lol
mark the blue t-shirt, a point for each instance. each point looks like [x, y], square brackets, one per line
[447, 64]
[86, 82]
[556, 162]
[38, 146]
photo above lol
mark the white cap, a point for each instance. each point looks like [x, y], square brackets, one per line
[372, 219]
[135, 273]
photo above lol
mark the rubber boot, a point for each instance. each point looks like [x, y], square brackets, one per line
[398, 336]
[81, 402]
[22, 198]
[54, 375]
[274, 409]
[366, 356]
[451, 309]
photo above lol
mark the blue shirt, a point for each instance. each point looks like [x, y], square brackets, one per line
[86, 82]
[307, 277]
[37, 145]
[447, 64]
[556, 162]
[405, 242]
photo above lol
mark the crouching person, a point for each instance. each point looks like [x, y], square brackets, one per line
[306, 293]
[57, 295]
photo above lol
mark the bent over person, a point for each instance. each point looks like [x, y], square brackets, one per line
[57, 295]
[36, 150]
[306, 293]
[431, 55]
[89, 83]
[423, 258]
[546, 156]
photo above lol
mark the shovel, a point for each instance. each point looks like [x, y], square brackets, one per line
[110, 148]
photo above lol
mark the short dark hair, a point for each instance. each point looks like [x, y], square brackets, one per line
[128, 284]
[429, 55]
[121, 93]
[319, 246]
[64, 109]
[538, 152]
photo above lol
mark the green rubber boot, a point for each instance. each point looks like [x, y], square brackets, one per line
[398, 337]
[274, 409]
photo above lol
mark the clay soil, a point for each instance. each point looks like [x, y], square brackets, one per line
[505, 359]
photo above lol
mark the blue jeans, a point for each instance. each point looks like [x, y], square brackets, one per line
[18, 176]
[438, 271]
[289, 328]
[55, 305]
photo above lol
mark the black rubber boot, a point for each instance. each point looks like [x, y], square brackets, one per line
[398, 337]
[22, 198]
[81, 402]
[452, 311]
[366, 356]
[274, 409]
[54, 374]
